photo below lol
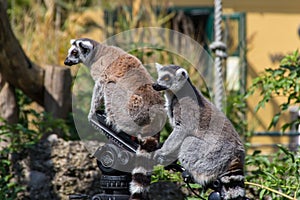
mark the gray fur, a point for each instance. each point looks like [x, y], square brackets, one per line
[203, 139]
[124, 84]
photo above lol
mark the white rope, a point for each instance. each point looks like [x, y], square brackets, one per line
[219, 48]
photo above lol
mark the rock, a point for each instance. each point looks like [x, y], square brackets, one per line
[37, 179]
[53, 169]
[52, 138]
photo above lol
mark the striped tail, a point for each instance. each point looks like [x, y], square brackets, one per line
[141, 177]
[230, 186]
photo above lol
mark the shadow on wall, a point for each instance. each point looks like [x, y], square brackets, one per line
[260, 120]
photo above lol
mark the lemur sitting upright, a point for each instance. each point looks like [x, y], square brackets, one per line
[131, 104]
[203, 139]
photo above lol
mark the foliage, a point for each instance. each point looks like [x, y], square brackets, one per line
[284, 82]
[18, 137]
[22, 135]
[235, 110]
[161, 174]
[36, 124]
[276, 175]
[8, 187]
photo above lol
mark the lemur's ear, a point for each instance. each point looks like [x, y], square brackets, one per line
[181, 74]
[85, 46]
[158, 66]
[72, 41]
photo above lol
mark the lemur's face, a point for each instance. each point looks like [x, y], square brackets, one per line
[170, 77]
[79, 51]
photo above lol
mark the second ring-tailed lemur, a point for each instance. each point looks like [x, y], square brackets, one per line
[203, 139]
[131, 104]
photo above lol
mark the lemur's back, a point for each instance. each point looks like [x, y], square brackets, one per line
[131, 102]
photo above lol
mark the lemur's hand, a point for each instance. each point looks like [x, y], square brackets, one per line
[90, 116]
[159, 157]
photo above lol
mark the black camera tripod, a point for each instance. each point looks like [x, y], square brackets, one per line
[118, 152]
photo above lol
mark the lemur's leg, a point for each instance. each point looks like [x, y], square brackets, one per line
[96, 99]
[171, 146]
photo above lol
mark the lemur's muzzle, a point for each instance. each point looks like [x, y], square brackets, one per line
[69, 62]
[158, 87]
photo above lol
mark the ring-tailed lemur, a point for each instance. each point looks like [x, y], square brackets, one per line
[131, 104]
[203, 139]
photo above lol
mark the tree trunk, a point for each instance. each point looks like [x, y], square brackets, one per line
[49, 87]
[15, 67]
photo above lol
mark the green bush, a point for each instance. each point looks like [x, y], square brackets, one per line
[9, 188]
[17, 138]
[284, 82]
[276, 175]
[20, 136]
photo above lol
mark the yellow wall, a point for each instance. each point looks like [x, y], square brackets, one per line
[272, 29]
[268, 34]
[269, 6]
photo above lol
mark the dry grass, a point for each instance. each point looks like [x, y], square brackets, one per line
[45, 28]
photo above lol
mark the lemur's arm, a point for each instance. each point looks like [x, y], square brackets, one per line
[96, 99]
[171, 146]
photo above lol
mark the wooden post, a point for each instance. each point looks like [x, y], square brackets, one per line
[57, 96]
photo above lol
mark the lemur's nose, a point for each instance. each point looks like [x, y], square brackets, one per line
[68, 62]
[158, 87]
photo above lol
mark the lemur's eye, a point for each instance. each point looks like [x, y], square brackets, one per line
[166, 78]
[74, 52]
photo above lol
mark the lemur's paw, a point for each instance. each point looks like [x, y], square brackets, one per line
[159, 158]
[90, 116]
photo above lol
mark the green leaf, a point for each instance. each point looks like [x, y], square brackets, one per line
[285, 126]
[269, 175]
[261, 194]
[12, 184]
[256, 152]
[5, 162]
[7, 178]
[287, 152]
[274, 120]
